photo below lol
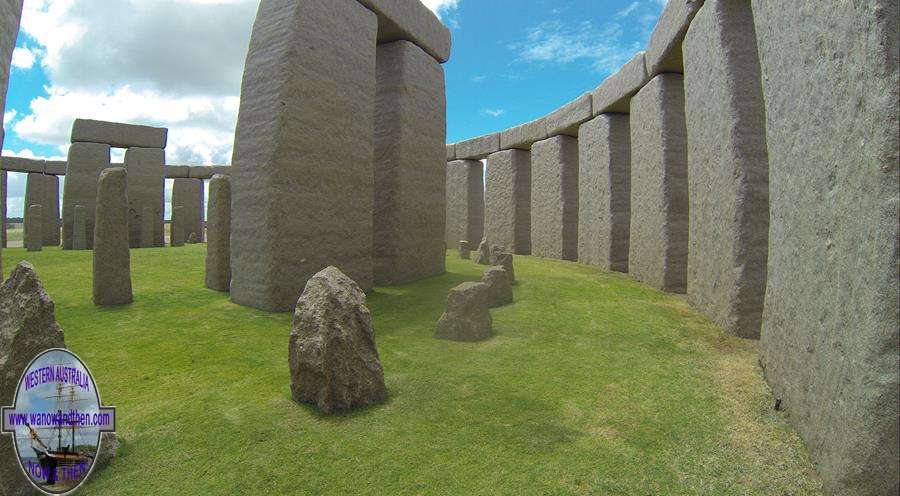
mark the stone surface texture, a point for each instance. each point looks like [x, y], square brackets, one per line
[188, 193]
[505, 260]
[149, 224]
[524, 135]
[554, 198]
[483, 257]
[112, 260]
[507, 200]
[478, 148]
[41, 189]
[34, 228]
[302, 184]
[79, 228]
[728, 168]
[333, 359]
[146, 182]
[614, 94]
[410, 135]
[117, 134]
[412, 21]
[3, 179]
[467, 317]
[604, 191]
[659, 191]
[218, 243]
[450, 150]
[664, 48]
[464, 250]
[465, 201]
[27, 327]
[85, 162]
[176, 234]
[829, 342]
[499, 287]
[566, 119]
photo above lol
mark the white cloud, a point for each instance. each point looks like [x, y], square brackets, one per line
[494, 112]
[8, 117]
[441, 7]
[23, 58]
[628, 10]
[553, 42]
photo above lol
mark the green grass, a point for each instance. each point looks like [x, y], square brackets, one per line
[593, 384]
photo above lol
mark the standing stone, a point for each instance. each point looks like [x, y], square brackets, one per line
[333, 359]
[465, 200]
[85, 162]
[192, 238]
[659, 204]
[829, 342]
[146, 190]
[499, 287]
[484, 253]
[34, 228]
[112, 260]
[43, 190]
[218, 243]
[176, 236]
[79, 228]
[554, 198]
[27, 327]
[507, 210]
[604, 185]
[303, 151]
[188, 194]
[728, 168]
[467, 317]
[464, 250]
[3, 206]
[148, 227]
[505, 260]
[410, 156]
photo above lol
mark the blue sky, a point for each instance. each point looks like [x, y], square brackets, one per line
[178, 63]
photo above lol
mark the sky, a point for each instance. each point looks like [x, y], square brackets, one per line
[178, 64]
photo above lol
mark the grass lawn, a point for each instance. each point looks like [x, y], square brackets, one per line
[593, 384]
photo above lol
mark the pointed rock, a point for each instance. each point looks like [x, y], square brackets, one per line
[484, 253]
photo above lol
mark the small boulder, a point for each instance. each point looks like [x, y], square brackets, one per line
[192, 238]
[109, 447]
[484, 253]
[499, 287]
[332, 355]
[467, 317]
[505, 260]
[464, 250]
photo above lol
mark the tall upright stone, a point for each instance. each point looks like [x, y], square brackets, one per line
[34, 228]
[659, 202]
[79, 228]
[176, 226]
[148, 227]
[829, 342]
[188, 194]
[728, 167]
[3, 207]
[465, 201]
[604, 191]
[10, 15]
[112, 260]
[554, 198]
[218, 246]
[85, 162]
[41, 189]
[410, 156]
[146, 184]
[507, 200]
[303, 154]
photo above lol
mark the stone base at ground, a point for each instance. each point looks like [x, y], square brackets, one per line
[467, 317]
[484, 253]
[333, 359]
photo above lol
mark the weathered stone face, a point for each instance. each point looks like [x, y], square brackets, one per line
[43, 190]
[484, 253]
[85, 162]
[604, 185]
[524, 135]
[507, 212]
[664, 49]
[79, 228]
[333, 359]
[176, 236]
[505, 260]
[499, 287]
[3, 206]
[465, 201]
[27, 327]
[554, 198]
[659, 204]
[566, 119]
[188, 194]
[467, 317]
[614, 94]
[146, 183]
[829, 342]
[218, 255]
[728, 168]
[112, 260]
[34, 228]
[410, 132]
[303, 152]
[464, 250]
[478, 148]
[149, 223]
[118, 134]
